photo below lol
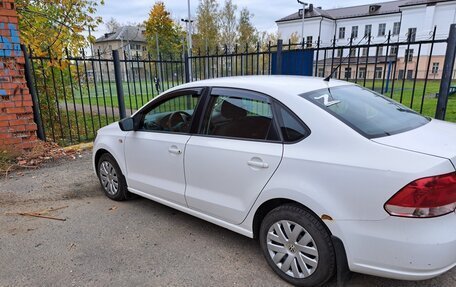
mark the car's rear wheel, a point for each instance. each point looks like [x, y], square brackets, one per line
[111, 178]
[297, 246]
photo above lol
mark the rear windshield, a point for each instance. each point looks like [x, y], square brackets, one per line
[367, 112]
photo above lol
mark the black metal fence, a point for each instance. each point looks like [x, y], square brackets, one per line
[76, 95]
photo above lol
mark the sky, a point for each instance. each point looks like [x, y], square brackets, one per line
[266, 12]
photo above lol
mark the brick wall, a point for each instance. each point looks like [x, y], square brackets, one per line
[17, 128]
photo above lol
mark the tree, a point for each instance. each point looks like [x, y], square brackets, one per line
[246, 31]
[112, 25]
[161, 25]
[228, 33]
[207, 25]
[294, 38]
[55, 25]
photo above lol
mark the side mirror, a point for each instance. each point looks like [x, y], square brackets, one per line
[127, 124]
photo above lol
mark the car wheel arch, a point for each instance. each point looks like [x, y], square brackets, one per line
[271, 204]
[98, 155]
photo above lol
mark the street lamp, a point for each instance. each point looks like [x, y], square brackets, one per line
[303, 13]
[188, 24]
[189, 37]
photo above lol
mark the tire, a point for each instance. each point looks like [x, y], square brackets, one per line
[111, 178]
[308, 260]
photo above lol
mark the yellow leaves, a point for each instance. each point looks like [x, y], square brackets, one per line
[54, 25]
[161, 24]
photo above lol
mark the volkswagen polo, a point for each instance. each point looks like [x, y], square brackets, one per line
[327, 175]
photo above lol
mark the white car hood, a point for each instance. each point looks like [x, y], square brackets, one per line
[437, 138]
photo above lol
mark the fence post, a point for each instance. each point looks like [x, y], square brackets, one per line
[448, 66]
[186, 67]
[119, 86]
[279, 57]
[31, 87]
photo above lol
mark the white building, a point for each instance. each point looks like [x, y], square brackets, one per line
[403, 19]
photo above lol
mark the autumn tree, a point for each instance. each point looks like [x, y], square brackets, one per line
[246, 31]
[207, 26]
[294, 38]
[112, 25]
[160, 26]
[55, 25]
[228, 33]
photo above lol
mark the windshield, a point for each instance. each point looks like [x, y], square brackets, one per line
[367, 112]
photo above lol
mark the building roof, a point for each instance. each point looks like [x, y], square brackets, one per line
[125, 33]
[357, 11]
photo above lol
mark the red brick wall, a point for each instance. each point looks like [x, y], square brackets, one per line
[17, 129]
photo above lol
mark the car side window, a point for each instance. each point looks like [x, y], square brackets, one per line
[292, 128]
[172, 115]
[234, 114]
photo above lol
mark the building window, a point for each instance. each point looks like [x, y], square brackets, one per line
[341, 32]
[364, 52]
[381, 29]
[339, 52]
[408, 55]
[435, 68]
[379, 51]
[354, 33]
[309, 42]
[396, 28]
[367, 30]
[321, 72]
[378, 72]
[361, 73]
[393, 51]
[348, 72]
[411, 35]
[353, 52]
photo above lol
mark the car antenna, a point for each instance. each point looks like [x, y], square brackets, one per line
[327, 78]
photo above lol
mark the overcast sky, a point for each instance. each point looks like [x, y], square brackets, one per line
[266, 12]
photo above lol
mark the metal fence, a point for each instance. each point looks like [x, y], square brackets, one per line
[76, 95]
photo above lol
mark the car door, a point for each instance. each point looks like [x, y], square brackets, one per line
[233, 156]
[155, 152]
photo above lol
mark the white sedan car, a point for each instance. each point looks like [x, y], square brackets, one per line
[327, 175]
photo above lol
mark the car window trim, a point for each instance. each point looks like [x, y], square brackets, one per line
[165, 97]
[257, 96]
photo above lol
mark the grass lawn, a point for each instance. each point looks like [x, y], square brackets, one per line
[135, 94]
[412, 95]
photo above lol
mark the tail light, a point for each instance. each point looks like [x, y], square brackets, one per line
[425, 197]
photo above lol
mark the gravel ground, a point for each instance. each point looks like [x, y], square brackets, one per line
[133, 243]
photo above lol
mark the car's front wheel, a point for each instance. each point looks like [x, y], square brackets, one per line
[297, 246]
[111, 178]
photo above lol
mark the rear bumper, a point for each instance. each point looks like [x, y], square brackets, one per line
[399, 248]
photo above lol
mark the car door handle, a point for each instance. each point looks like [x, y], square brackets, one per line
[174, 150]
[258, 164]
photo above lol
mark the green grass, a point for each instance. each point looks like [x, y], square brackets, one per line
[135, 94]
[412, 95]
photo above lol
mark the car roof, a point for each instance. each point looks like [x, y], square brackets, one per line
[280, 84]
